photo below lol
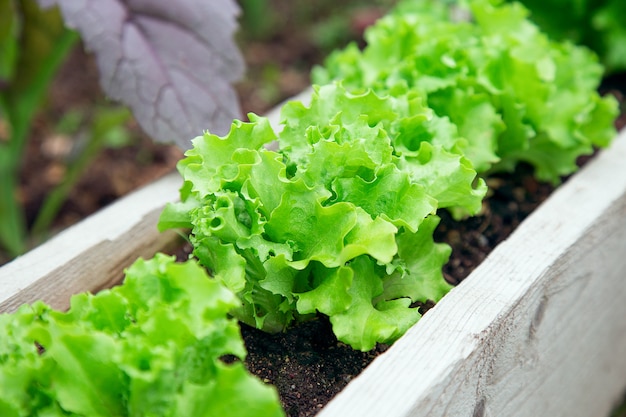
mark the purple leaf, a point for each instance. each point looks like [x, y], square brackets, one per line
[172, 62]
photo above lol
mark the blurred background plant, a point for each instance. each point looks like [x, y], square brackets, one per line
[32, 46]
[597, 24]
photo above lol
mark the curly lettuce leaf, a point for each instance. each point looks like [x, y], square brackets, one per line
[213, 159]
[151, 346]
[364, 323]
[383, 309]
[283, 228]
[366, 131]
[512, 93]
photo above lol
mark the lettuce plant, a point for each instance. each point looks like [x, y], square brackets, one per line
[149, 347]
[514, 95]
[338, 221]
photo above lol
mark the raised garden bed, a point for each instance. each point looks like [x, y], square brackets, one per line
[532, 331]
[509, 340]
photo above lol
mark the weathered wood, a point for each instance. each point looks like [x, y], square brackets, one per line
[539, 328]
[92, 254]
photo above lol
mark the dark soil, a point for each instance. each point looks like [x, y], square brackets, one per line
[307, 364]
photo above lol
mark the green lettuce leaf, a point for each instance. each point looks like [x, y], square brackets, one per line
[366, 131]
[152, 346]
[283, 228]
[513, 94]
[366, 322]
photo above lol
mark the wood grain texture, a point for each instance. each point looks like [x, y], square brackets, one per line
[539, 328]
[92, 254]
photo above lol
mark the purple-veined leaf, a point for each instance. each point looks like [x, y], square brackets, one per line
[172, 62]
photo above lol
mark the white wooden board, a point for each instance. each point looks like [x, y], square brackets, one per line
[538, 329]
[92, 254]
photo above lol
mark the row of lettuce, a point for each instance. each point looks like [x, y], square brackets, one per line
[333, 213]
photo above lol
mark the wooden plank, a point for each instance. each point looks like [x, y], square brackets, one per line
[539, 328]
[92, 254]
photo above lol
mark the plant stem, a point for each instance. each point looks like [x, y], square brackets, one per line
[99, 128]
[44, 45]
[58, 196]
[13, 224]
